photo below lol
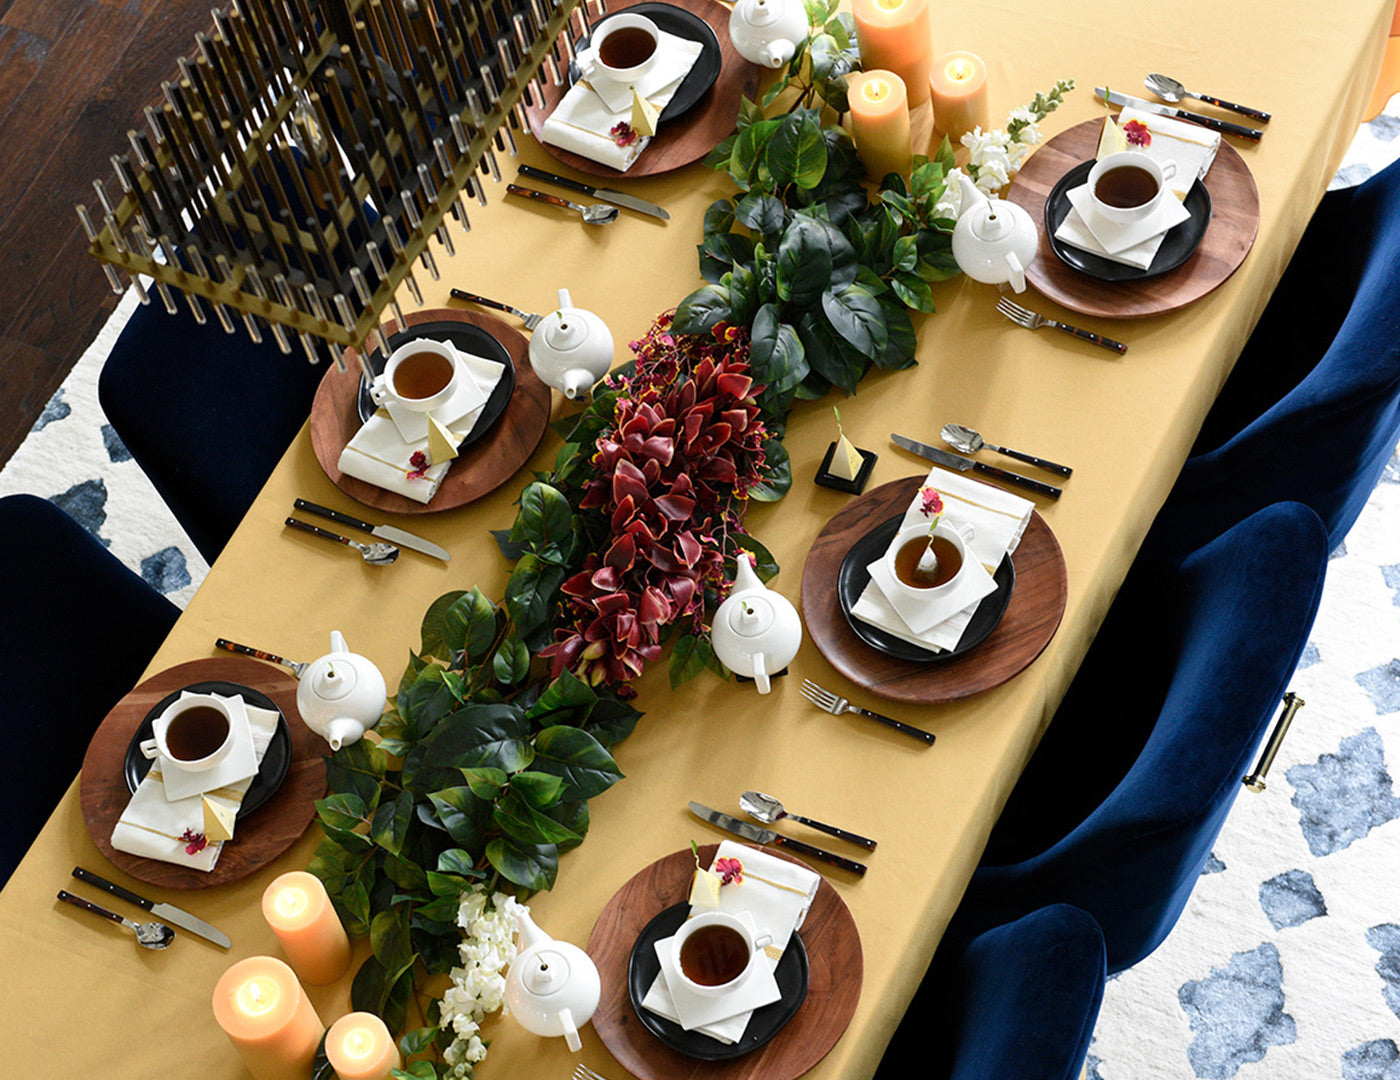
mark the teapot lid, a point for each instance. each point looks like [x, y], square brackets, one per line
[547, 973]
[751, 616]
[993, 222]
[333, 680]
[565, 331]
[760, 12]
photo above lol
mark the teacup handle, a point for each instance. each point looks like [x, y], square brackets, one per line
[150, 749]
[1168, 170]
[966, 530]
[762, 941]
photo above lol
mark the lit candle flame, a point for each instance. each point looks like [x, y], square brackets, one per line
[359, 1043]
[960, 70]
[291, 902]
[889, 5]
[257, 997]
[875, 90]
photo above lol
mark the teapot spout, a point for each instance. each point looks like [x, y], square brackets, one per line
[530, 934]
[338, 642]
[565, 300]
[972, 195]
[777, 53]
[577, 382]
[745, 576]
[344, 730]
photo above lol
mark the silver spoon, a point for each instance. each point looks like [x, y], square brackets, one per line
[151, 935]
[966, 441]
[1168, 89]
[379, 554]
[593, 213]
[767, 809]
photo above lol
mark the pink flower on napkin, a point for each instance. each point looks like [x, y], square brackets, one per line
[195, 842]
[1137, 133]
[731, 871]
[622, 134]
[420, 464]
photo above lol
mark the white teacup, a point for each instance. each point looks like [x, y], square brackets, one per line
[958, 535]
[725, 949]
[628, 58]
[194, 734]
[420, 376]
[1139, 196]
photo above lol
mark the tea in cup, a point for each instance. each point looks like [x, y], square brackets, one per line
[929, 566]
[622, 48]
[715, 953]
[195, 733]
[420, 375]
[1129, 185]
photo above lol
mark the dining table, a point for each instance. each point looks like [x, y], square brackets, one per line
[90, 1003]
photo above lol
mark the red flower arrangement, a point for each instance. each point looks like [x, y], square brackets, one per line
[670, 475]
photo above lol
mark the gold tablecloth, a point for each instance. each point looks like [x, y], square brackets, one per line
[84, 999]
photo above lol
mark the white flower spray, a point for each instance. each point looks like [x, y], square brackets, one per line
[488, 923]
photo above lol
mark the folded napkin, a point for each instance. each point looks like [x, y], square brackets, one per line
[1191, 146]
[1133, 244]
[583, 121]
[379, 453]
[151, 824]
[675, 56]
[777, 895]
[999, 519]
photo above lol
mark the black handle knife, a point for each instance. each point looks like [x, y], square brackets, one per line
[962, 464]
[756, 835]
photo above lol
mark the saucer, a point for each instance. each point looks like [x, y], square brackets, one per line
[466, 401]
[238, 764]
[1116, 237]
[643, 967]
[275, 763]
[1179, 244]
[923, 613]
[695, 1010]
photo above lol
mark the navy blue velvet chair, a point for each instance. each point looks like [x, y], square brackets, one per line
[79, 630]
[1118, 808]
[207, 415]
[1018, 1003]
[1311, 412]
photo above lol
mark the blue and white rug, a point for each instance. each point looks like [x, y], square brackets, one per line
[1286, 962]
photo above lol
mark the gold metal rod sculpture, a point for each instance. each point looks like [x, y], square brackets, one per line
[247, 190]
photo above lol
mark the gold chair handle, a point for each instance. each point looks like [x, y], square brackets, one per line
[1255, 780]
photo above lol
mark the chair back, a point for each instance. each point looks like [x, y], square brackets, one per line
[1230, 626]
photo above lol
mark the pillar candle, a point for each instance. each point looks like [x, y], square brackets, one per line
[959, 87]
[896, 35]
[880, 122]
[359, 1047]
[268, 1018]
[300, 913]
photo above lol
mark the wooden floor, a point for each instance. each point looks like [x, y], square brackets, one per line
[74, 77]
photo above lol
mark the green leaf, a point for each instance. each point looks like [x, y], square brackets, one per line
[531, 866]
[760, 212]
[722, 251]
[719, 217]
[689, 656]
[906, 253]
[496, 736]
[718, 158]
[855, 314]
[463, 814]
[540, 790]
[775, 353]
[796, 153]
[574, 817]
[702, 310]
[434, 622]
[417, 1070]
[748, 152]
[354, 898]
[545, 519]
[775, 91]
[530, 595]
[358, 768]
[831, 358]
[457, 861]
[388, 937]
[611, 720]
[511, 663]
[899, 353]
[573, 754]
[389, 828]
[743, 294]
[470, 625]
[765, 566]
[749, 113]
[417, 1040]
[522, 822]
[425, 703]
[776, 478]
[914, 291]
[567, 693]
[486, 783]
[939, 266]
[343, 811]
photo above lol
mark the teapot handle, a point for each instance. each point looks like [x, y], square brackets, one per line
[760, 674]
[1018, 272]
[571, 1037]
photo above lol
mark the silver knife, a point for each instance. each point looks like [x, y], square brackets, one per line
[1223, 126]
[756, 835]
[617, 198]
[962, 464]
[384, 532]
[168, 912]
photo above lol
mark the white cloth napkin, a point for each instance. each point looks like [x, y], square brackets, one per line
[151, 825]
[777, 894]
[675, 56]
[380, 455]
[582, 121]
[999, 519]
[1134, 244]
[1191, 146]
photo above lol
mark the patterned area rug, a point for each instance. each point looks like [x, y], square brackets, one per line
[1286, 962]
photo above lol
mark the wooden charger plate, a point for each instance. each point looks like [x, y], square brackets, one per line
[688, 137]
[836, 968]
[1233, 226]
[267, 832]
[483, 466]
[1031, 619]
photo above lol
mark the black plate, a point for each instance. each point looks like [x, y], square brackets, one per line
[1178, 245]
[643, 967]
[853, 578]
[469, 338]
[275, 762]
[682, 24]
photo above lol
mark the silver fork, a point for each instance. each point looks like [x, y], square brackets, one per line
[1033, 320]
[836, 705]
[583, 1072]
[530, 319]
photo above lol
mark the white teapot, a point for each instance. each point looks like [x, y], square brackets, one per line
[756, 631]
[571, 349]
[341, 695]
[552, 987]
[994, 240]
[768, 32]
